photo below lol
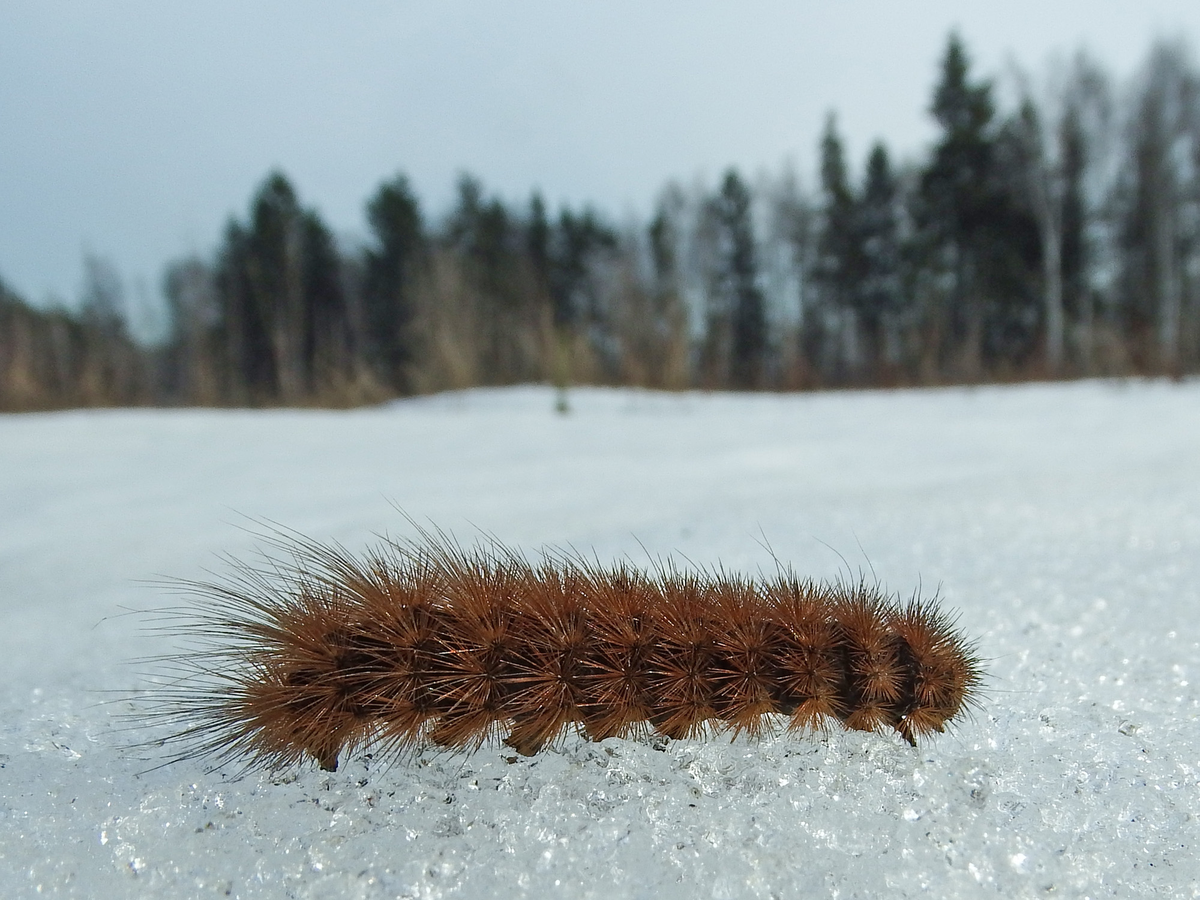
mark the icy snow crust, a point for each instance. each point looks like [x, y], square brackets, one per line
[1063, 522]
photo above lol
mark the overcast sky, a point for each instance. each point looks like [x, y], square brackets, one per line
[132, 129]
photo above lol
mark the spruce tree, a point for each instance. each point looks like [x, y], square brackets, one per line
[877, 292]
[838, 270]
[1075, 262]
[975, 231]
[282, 306]
[739, 279]
[578, 241]
[537, 241]
[954, 189]
[487, 242]
[391, 271]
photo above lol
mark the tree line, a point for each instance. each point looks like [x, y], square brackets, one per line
[1052, 234]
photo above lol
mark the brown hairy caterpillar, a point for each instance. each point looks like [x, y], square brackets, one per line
[427, 643]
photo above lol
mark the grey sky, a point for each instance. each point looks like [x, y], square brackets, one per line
[132, 129]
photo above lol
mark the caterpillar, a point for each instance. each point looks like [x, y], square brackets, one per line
[426, 643]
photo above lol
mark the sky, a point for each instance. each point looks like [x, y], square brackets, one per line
[133, 129]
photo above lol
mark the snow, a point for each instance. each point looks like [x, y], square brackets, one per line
[1061, 521]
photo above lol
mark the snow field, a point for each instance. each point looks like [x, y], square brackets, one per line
[1061, 521]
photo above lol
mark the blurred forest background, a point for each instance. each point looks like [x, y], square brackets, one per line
[1058, 238]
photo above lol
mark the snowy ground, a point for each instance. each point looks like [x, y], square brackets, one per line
[1062, 521]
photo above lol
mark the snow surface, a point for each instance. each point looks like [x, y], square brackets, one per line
[1062, 521]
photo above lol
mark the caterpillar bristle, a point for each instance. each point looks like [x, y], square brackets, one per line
[428, 643]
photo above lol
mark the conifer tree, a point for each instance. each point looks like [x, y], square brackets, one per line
[955, 198]
[877, 293]
[977, 230]
[664, 237]
[486, 241]
[661, 341]
[487, 237]
[537, 241]
[1085, 137]
[283, 310]
[578, 241]
[1074, 253]
[391, 272]
[838, 266]
[738, 277]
